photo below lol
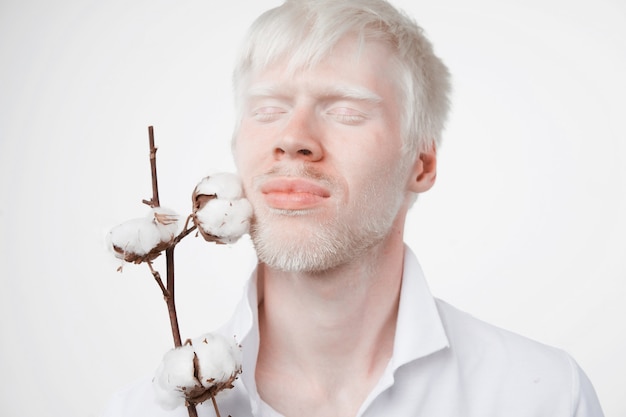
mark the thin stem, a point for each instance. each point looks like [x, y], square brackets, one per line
[217, 411]
[191, 410]
[153, 169]
[171, 306]
[157, 278]
[186, 231]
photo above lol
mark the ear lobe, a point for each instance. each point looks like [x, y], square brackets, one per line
[424, 172]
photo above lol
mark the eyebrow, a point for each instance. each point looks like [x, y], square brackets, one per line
[341, 91]
[351, 92]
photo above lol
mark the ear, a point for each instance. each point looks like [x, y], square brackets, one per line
[424, 171]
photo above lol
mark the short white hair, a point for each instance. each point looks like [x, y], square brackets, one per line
[305, 31]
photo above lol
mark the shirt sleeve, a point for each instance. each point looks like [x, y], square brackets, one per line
[585, 400]
[138, 399]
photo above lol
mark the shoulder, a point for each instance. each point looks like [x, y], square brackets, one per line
[514, 365]
[477, 341]
[478, 334]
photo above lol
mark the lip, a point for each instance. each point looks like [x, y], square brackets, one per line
[293, 193]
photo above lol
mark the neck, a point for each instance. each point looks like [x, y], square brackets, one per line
[332, 327]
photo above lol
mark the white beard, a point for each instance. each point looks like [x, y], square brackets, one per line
[340, 239]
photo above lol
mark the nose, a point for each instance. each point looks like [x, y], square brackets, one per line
[300, 138]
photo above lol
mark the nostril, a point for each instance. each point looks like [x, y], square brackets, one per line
[281, 152]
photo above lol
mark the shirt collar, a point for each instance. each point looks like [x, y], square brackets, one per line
[419, 329]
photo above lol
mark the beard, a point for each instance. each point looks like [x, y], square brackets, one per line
[299, 241]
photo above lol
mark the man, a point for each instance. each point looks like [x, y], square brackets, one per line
[341, 105]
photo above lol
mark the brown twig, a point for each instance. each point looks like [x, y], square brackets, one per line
[185, 231]
[154, 202]
[217, 411]
[171, 306]
[157, 278]
[191, 410]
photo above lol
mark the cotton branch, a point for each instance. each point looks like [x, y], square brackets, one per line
[221, 214]
[168, 292]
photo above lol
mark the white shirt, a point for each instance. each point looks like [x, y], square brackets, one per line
[445, 363]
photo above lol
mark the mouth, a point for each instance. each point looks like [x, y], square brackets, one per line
[293, 193]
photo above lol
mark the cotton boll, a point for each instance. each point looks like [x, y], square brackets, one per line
[143, 239]
[219, 210]
[137, 236]
[224, 185]
[174, 376]
[197, 371]
[226, 220]
[219, 360]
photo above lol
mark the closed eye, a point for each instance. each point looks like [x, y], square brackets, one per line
[268, 113]
[347, 115]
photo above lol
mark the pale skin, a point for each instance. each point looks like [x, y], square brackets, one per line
[327, 336]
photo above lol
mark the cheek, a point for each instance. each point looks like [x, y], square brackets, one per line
[243, 163]
[379, 177]
[362, 179]
[250, 145]
[243, 150]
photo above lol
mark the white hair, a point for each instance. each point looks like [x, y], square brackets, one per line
[305, 31]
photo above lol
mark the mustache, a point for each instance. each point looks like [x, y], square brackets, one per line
[299, 171]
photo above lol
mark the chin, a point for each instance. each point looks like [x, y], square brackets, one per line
[312, 249]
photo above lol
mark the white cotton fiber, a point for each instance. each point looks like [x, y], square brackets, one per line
[168, 399]
[228, 220]
[166, 221]
[174, 376]
[220, 211]
[194, 372]
[219, 359]
[224, 185]
[140, 236]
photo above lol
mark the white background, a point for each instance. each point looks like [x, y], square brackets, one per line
[525, 228]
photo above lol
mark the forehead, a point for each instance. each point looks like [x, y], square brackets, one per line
[363, 70]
